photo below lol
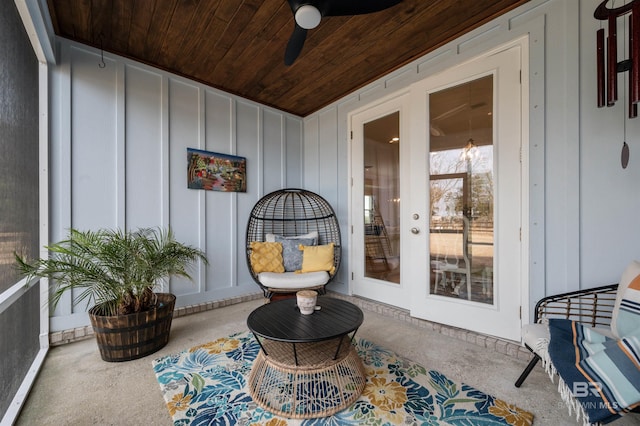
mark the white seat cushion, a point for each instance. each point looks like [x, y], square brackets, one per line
[536, 336]
[292, 280]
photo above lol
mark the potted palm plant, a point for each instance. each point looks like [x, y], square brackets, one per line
[117, 272]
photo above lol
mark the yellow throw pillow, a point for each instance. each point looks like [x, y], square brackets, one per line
[317, 258]
[266, 257]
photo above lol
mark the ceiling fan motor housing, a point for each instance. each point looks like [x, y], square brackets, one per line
[308, 16]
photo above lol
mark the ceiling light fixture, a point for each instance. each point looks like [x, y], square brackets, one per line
[394, 140]
[308, 17]
[470, 144]
[469, 152]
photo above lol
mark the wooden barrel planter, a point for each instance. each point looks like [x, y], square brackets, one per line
[132, 336]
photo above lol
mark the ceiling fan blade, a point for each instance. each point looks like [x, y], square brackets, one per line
[294, 47]
[354, 7]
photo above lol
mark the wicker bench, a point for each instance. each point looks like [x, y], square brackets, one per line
[601, 324]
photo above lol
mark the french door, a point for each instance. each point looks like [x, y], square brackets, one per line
[380, 170]
[436, 197]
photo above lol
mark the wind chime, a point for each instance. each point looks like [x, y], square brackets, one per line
[607, 70]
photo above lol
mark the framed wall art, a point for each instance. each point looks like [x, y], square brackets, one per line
[216, 172]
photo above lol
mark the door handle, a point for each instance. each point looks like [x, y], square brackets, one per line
[415, 230]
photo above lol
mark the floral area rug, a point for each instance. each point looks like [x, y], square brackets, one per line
[206, 385]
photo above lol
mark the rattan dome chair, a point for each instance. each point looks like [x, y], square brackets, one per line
[293, 213]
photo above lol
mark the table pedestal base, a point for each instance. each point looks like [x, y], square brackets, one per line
[308, 390]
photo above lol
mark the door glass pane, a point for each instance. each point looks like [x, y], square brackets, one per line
[461, 191]
[382, 198]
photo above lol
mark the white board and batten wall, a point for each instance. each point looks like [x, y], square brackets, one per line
[119, 139]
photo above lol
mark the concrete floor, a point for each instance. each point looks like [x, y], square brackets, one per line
[75, 387]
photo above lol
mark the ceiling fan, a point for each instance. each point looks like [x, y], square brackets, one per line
[308, 14]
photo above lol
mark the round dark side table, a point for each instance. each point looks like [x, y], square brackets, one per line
[307, 366]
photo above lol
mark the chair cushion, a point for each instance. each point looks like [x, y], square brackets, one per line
[291, 253]
[293, 280]
[631, 272]
[615, 370]
[536, 336]
[603, 387]
[266, 257]
[317, 258]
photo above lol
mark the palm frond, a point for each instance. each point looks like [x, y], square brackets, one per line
[112, 267]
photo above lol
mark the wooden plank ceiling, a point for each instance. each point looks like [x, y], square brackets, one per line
[238, 45]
